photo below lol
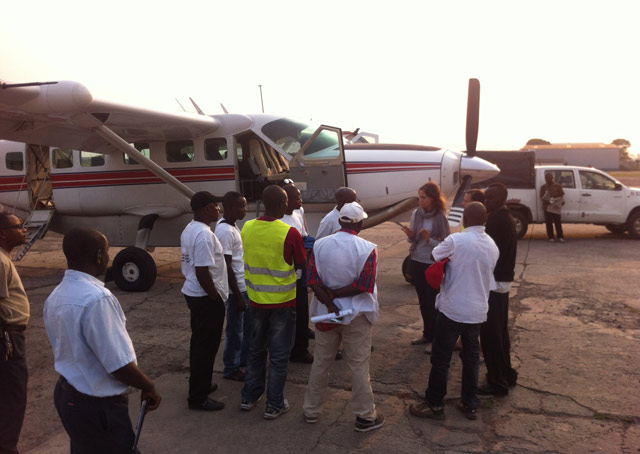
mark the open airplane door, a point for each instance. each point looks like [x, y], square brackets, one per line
[450, 172]
[319, 167]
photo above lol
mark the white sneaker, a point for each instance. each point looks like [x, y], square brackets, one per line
[561, 240]
[551, 240]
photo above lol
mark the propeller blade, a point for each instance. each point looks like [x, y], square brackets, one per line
[473, 116]
[455, 214]
[198, 109]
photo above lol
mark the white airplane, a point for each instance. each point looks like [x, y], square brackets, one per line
[130, 171]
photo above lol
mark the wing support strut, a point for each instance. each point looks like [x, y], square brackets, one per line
[119, 143]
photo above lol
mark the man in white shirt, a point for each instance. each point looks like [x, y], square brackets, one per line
[294, 216]
[330, 224]
[92, 351]
[342, 274]
[206, 288]
[238, 328]
[462, 305]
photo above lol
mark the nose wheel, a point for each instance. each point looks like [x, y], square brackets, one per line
[134, 270]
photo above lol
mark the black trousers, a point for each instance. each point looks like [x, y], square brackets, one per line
[301, 339]
[551, 219]
[426, 298]
[95, 425]
[207, 319]
[496, 346]
[13, 392]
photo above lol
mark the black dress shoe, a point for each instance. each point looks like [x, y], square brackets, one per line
[491, 390]
[207, 405]
[306, 357]
[311, 334]
[237, 375]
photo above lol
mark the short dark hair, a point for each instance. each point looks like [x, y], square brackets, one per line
[231, 197]
[80, 245]
[4, 218]
[500, 189]
[476, 195]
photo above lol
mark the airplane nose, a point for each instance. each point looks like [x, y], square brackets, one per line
[478, 168]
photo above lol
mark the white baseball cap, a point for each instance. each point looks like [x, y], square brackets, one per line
[352, 213]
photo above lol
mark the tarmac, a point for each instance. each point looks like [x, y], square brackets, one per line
[575, 332]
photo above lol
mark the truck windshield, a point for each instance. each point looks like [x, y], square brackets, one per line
[291, 135]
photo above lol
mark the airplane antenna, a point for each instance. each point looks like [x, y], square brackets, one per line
[181, 106]
[198, 109]
[4, 85]
[224, 109]
[261, 100]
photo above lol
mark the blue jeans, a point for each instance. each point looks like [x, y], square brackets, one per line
[447, 332]
[237, 334]
[273, 331]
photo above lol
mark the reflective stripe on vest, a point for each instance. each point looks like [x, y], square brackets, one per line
[269, 278]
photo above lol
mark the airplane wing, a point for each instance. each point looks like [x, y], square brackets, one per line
[56, 114]
[65, 114]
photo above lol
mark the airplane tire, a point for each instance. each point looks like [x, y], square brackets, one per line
[405, 270]
[522, 224]
[134, 270]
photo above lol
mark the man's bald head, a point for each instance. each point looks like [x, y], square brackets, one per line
[275, 201]
[86, 250]
[345, 195]
[474, 214]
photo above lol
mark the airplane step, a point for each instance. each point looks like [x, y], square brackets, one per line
[37, 226]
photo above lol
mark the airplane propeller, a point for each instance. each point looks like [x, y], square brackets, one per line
[473, 116]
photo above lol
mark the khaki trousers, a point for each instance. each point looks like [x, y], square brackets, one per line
[356, 338]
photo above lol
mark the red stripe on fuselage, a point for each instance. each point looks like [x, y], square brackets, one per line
[381, 167]
[138, 177]
[14, 183]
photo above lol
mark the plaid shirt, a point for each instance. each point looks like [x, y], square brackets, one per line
[365, 282]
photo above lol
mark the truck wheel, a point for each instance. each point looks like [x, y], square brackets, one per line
[522, 224]
[633, 226]
[616, 228]
[405, 270]
[134, 270]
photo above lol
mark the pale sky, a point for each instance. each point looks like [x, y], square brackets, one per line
[564, 71]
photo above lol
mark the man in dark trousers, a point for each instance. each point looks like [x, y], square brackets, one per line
[14, 316]
[205, 289]
[494, 333]
[92, 352]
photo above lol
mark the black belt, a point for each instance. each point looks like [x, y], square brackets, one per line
[69, 387]
[14, 327]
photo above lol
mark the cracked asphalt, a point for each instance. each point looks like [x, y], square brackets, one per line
[575, 327]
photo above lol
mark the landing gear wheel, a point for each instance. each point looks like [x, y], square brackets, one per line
[522, 224]
[633, 226]
[134, 270]
[405, 270]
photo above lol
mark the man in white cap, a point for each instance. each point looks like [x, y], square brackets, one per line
[342, 274]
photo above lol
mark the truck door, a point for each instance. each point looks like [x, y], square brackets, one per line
[318, 168]
[567, 179]
[601, 201]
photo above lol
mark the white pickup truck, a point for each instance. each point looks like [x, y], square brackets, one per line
[590, 195]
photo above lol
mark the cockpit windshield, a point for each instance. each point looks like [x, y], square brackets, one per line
[291, 135]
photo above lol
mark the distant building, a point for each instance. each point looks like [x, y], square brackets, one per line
[599, 155]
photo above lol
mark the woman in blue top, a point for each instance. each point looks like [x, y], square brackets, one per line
[428, 228]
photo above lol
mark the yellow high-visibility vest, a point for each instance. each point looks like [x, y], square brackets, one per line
[269, 278]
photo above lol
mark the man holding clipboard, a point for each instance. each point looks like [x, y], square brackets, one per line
[342, 274]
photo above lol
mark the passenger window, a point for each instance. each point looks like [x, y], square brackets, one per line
[14, 160]
[565, 179]
[215, 149]
[142, 147]
[593, 180]
[91, 159]
[62, 158]
[180, 151]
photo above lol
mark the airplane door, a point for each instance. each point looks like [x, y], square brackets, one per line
[450, 172]
[318, 169]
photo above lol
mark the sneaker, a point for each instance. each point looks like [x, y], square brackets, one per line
[273, 412]
[246, 405]
[424, 410]
[420, 341]
[470, 413]
[552, 240]
[364, 425]
[310, 419]
[561, 240]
